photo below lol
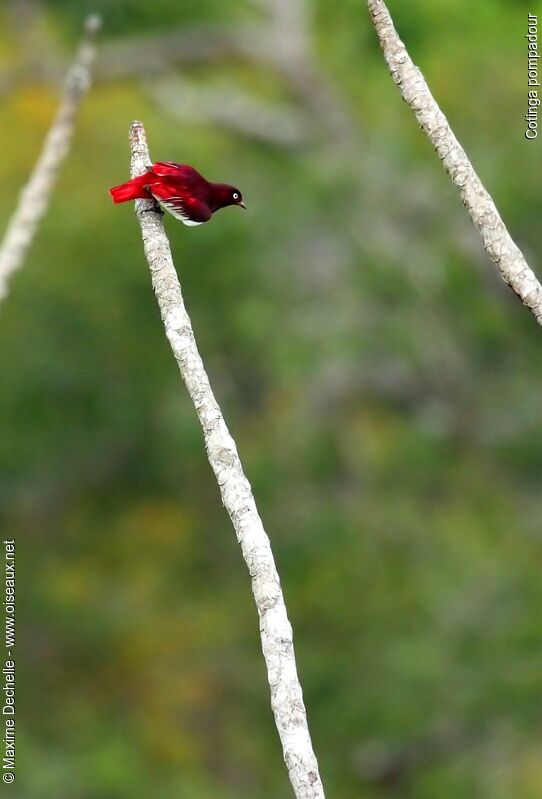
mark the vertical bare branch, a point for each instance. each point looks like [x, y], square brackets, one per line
[287, 46]
[35, 196]
[275, 628]
[495, 237]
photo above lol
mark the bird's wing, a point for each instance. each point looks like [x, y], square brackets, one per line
[167, 168]
[177, 171]
[180, 203]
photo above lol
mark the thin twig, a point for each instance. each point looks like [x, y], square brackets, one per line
[496, 239]
[34, 198]
[275, 628]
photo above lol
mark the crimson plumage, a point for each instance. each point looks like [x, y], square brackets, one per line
[181, 190]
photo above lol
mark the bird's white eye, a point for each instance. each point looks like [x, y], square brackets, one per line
[235, 195]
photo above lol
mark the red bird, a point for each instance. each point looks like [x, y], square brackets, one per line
[181, 190]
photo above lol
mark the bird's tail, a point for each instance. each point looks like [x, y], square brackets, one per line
[133, 190]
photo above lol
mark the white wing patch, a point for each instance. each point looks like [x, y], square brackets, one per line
[174, 208]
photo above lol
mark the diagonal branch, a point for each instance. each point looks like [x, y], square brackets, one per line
[151, 53]
[35, 196]
[236, 493]
[496, 239]
[231, 108]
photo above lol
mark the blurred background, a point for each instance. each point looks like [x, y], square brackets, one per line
[382, 383]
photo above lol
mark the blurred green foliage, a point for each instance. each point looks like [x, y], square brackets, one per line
[383, 387]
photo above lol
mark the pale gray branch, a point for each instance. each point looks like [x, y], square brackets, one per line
[236, 493]
[230, 107]
[282, 43]
[291, 23]
[35, 196]
[495, 237]
[155, 52]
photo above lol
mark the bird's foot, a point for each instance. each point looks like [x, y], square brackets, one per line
[155, 209]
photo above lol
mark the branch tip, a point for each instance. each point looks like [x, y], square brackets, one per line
[137, 135]
[139, 148]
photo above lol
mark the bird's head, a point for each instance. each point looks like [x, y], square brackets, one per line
[224, 195]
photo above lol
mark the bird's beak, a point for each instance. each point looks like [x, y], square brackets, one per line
[242, 205]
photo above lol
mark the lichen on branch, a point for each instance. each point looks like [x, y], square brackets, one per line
[275, 629]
